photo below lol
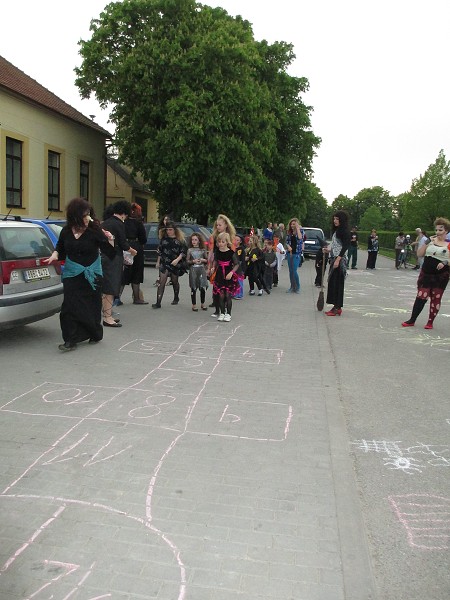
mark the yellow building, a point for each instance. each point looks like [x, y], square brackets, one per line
[121, 185]
[49, 152]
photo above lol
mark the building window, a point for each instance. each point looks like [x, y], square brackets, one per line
[84, 179]
[14, 167]
[54, 180]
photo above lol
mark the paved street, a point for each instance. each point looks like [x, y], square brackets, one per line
[285, 455]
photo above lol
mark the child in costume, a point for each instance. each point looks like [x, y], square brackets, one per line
[221, 225]
[270, 263]
[255, 266]
[240, 253]
[197, 258]
[225, 281]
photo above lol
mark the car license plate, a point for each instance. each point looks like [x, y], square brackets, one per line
[34, 274]
[310, 242]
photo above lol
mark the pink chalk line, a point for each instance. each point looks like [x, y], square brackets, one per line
[188, 416]
[37, 533]
[175, 550]
[415, 509]
[104, 508]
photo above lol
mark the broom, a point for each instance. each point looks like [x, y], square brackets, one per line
[320, 299]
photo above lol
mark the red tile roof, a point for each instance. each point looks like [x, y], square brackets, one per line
[17, 82]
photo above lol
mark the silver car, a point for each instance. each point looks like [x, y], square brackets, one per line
[30, 290]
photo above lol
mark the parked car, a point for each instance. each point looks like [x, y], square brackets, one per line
[52, 226]
[152, 243]
[313, 241]
[30, 290]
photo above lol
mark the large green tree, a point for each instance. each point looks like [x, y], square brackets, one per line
[317, 209]
[207, 114]
[429, 196]
[372, 219]
[378, 197]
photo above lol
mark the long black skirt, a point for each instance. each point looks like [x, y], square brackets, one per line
[112, 274]
[81, 311]
[335, 290]
[134, 273]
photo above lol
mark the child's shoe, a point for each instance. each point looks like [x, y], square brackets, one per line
[429, 325]
[227, 318]
[221, 317]
[251, 293]
[260, 293]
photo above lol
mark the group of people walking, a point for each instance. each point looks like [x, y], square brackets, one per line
[95, 274]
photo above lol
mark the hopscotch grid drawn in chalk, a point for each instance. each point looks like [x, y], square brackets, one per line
[119, 397]
[202, 351]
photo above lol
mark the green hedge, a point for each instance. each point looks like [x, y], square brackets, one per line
[386, 239]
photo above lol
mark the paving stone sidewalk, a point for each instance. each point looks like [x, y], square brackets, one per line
[185, 459]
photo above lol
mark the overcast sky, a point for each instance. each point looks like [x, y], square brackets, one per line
[378, 74]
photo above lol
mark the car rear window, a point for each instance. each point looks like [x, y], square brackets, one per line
[55, 228]
[24, 242]
[313, 235]
[206, 234]
[151, 230]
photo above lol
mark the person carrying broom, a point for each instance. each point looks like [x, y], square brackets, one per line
[337, 252]
[320, 264]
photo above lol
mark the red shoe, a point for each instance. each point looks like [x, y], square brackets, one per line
[429, 325]
[331, 313]
[406, 324]
[339, 311]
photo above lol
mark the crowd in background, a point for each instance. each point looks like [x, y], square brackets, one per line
[103, 258]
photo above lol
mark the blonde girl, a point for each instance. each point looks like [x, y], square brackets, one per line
[294, 248]
[226, 283]
[221, 225]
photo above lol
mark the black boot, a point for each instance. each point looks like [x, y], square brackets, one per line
[417, 309]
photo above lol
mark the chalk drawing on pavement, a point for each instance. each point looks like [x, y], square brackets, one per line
[66, 578]
[413, 459]
[156, 400]
[71, 453]
[426, 519]
[371, 311]
[243, 419]
[200, 353]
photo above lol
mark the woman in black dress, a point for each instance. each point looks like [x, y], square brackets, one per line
[338, 262]
[136, 237]
[112, 269]
[171, 251]
[161, 225]
[78, 245]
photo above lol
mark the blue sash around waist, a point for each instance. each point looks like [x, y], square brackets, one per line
[91, 272]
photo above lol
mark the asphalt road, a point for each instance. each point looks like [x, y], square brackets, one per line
[285, 455]
[394, 389]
